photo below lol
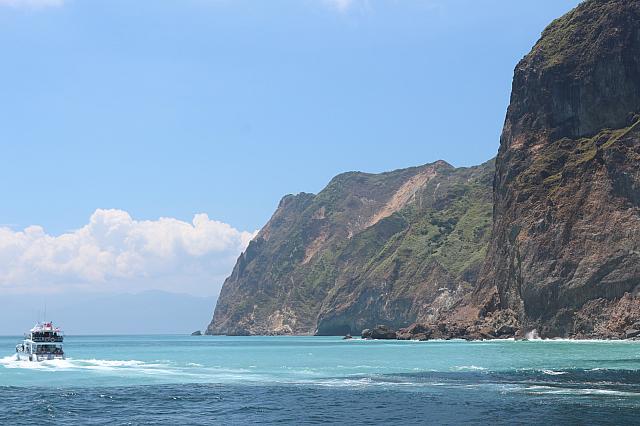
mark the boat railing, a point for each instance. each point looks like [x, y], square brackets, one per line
[56, 351]
[47, 338]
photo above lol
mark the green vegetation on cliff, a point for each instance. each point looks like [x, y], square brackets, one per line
[367, 249]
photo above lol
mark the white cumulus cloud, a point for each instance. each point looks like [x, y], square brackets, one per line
[116, 253]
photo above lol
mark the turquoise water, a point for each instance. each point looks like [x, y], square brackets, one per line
[199, 380]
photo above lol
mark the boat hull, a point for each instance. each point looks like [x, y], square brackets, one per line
[37, 358]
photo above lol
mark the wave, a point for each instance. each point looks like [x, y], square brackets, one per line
[554, 390]
[554, 373]
[469, 368]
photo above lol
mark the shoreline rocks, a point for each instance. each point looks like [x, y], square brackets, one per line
[380, 332]
[500, 325]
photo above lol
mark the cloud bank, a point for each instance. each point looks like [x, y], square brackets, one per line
[115, 253]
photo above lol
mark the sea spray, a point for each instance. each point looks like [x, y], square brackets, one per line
[532, 335]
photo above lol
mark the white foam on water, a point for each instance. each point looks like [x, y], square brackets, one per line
[554, 373]
[11, 362]
[360, 367]
[469, 368]
[577, 341]
[552, 390]
[113, 363]
[342, 382]
[532, 335]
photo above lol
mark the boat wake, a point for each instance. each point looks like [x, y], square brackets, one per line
[142, 372]
[79, 364]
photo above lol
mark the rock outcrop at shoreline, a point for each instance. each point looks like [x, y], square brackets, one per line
[560, 254]
[500, 325]
[380, 332]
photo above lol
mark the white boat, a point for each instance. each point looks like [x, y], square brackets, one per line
[43, 342]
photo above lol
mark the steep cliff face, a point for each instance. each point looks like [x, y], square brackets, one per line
[407, 246]
[566, 236]
[392, 248]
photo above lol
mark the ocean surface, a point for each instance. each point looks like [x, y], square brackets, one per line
[179, 380]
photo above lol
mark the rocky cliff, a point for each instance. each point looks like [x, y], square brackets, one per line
[390, 248]
[565, 253]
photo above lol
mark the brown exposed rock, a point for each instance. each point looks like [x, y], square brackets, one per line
[632, 333]
[380, 332]
[605, 319]
[566, 238]
[498, 325]
[416, 332]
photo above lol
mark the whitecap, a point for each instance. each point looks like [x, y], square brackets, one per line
[583, 392]
[469, 368]
[554, 373]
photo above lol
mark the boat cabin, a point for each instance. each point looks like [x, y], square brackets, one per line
[42, 342]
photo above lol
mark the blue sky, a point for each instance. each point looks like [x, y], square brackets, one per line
[171, 108]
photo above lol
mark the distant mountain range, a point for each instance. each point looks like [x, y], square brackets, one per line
[545, 238]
